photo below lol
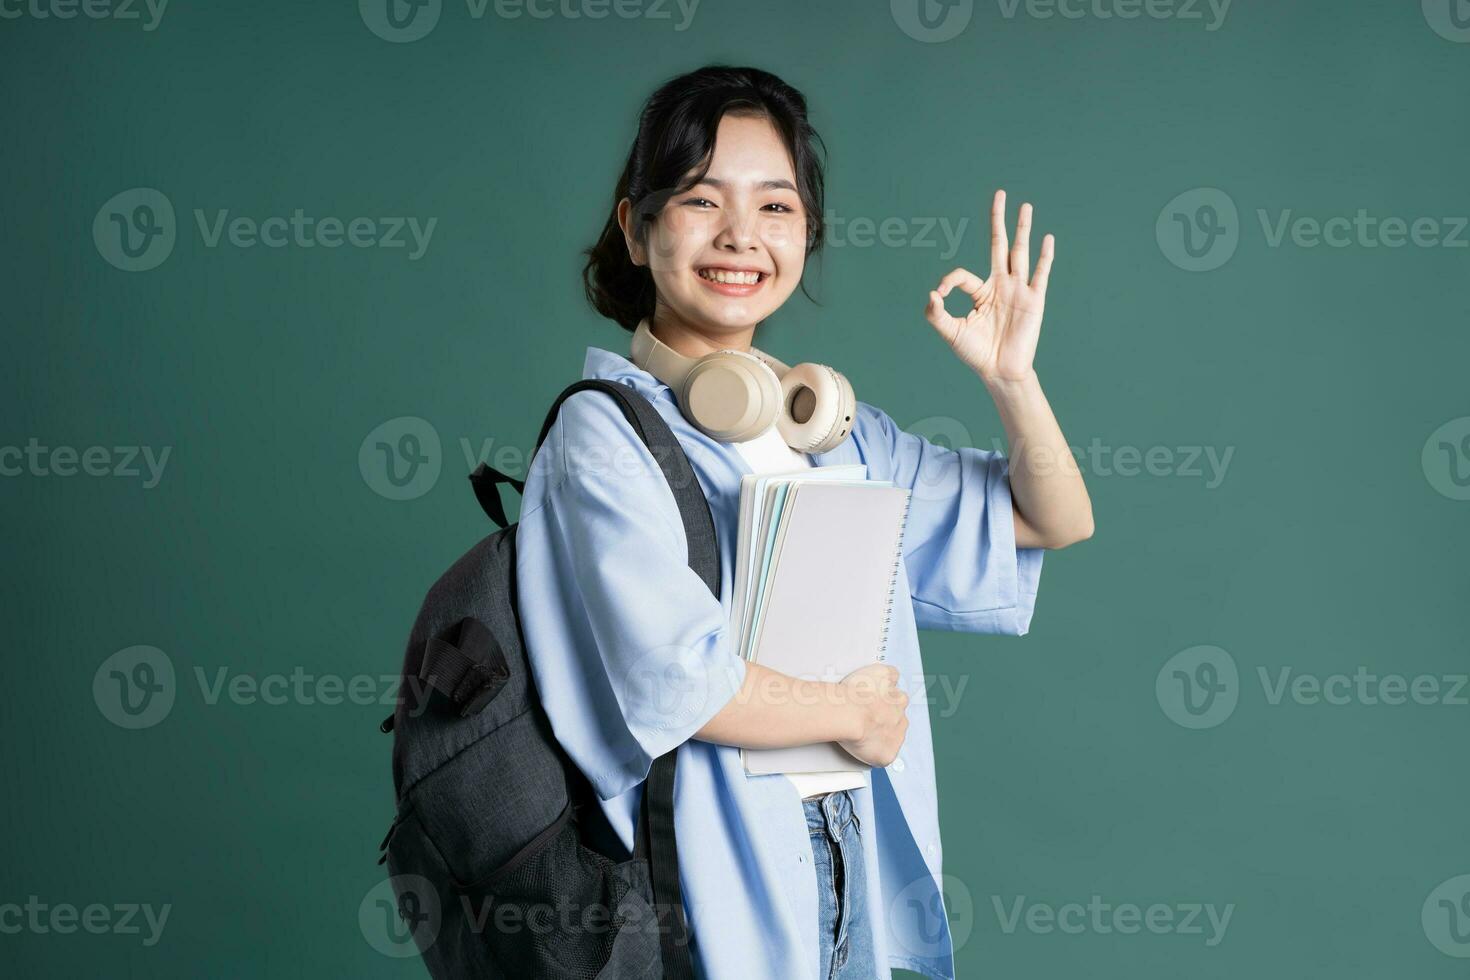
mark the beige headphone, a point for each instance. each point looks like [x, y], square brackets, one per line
[733, 396]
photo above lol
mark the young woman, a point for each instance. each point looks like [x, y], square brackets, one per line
[785, 876]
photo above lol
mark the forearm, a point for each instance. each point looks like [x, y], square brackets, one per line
[774, 710]
[1047, 490]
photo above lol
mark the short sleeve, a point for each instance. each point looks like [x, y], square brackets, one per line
[630, 649]
[964, 569]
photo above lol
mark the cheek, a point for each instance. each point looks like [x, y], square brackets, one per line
[676, 239]
[787, 245]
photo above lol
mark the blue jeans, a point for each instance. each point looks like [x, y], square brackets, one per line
[842, 895]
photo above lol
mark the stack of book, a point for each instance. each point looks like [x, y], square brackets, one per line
[815, 572]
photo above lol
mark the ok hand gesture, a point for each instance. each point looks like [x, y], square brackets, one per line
[997, 337]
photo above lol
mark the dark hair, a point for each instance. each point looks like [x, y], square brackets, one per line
[676, 136]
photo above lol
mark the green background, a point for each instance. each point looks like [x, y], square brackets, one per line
[264, 549]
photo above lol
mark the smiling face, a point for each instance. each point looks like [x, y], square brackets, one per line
[726, 253]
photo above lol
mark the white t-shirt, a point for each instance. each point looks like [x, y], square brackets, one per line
[768, 453]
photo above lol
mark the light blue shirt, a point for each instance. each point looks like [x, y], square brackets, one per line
[632, 655]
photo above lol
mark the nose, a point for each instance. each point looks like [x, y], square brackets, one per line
[738, 233]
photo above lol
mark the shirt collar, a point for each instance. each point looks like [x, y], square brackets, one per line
[609, 366]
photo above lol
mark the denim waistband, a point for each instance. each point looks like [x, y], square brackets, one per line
[830, 813]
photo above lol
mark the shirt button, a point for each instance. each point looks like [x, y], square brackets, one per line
[931, 850]
[897, 764]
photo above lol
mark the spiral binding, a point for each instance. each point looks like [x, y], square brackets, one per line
[893, 581]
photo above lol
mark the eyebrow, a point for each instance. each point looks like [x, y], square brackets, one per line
[779, 183]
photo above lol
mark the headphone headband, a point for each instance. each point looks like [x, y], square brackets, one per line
[671, 367]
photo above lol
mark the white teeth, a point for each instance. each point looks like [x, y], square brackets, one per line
[735, 278]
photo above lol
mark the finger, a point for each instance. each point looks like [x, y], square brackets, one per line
[999, 263]
[941, 321]
[1021, 250]
[1043, 264]
[937, 315]
[969, 283]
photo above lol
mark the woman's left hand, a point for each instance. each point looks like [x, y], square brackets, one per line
[997, 337]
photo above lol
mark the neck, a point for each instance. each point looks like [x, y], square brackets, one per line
[691, 341]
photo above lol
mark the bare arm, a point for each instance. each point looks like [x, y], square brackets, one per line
[1050, 501]
[997, 338]
[865, 713]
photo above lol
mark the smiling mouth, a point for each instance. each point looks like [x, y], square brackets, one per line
[732, 277]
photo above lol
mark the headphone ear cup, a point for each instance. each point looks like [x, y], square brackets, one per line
[817, 408]
[731, 396]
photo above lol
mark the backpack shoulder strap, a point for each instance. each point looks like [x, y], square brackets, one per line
[699, 525]
[654, 836]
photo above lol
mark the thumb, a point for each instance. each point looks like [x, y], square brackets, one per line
[944, 324]
[934, 311]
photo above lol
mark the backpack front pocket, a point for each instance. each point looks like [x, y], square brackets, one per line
[560, 910]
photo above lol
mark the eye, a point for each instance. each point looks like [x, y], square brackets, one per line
[782, 208]
[697, 201]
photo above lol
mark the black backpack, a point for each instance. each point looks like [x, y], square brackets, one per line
[497, 832]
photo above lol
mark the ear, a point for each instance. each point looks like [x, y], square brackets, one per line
[625, 219]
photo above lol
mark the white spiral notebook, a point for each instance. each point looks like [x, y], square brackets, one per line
[815, 585]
